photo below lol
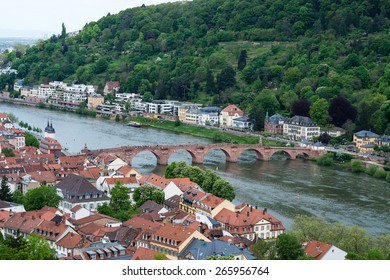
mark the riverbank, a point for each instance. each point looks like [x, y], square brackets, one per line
[351, 164]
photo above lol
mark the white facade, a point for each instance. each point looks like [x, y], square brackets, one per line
[171, 190]
[208, 118]
[334, 253]
[300, 128]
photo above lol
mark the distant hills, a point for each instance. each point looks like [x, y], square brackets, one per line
[288, 56]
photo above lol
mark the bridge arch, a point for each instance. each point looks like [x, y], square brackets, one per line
[228, 155]
[303, 155]
[181, 151]
[259, 155]
[282, 151]
[145, 156]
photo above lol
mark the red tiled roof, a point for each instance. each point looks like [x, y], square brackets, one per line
[248, 216]
[144, 254]
[71, 241]
[177, 233]
[232, 110]
[43, 176]
[48, 228]
[124, 181]
[140, 222]
[316, 249]
[76, 208]
[155, 180]
[91, 173]
[211, 200]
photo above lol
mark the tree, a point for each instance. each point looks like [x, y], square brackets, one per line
[148, 192]
[37, 198]
[32, 247]
[210, 84]
[120, 199]
[301, 108]
[226, 79]
[319, 111]
[5, 191]
[324, 138]
[261, 249]
[288, 247]
[39, 248]
[242, 60]
[223, 189]
[8, 152]
[147, 97]
[31, 140]
[341, 110]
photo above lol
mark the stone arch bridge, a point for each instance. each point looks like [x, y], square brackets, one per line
[199, 151]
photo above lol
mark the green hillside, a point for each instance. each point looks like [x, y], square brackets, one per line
[327, 59]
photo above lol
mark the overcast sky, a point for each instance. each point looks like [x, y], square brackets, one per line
[36, 18]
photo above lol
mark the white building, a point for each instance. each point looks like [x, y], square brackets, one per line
[300, 128]
[228, 114]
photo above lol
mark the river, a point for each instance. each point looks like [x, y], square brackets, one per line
[285, 187]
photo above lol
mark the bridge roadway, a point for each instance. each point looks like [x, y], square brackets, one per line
[199, 151]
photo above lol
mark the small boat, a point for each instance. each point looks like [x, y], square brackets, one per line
[134, 124]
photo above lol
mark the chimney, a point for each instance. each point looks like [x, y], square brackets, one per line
[251, 208]
[247, 214]
[256, 207]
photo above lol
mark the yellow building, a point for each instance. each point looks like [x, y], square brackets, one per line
[365, 140]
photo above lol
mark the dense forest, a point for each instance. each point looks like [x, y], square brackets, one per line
[327, 59]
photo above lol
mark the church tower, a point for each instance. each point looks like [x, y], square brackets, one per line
[49, 131]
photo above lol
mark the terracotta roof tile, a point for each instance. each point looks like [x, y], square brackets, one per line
[316, 249]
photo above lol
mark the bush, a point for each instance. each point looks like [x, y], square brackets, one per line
[325, 160]
[386, 168]
[357, 166]
[380, 173]
[388, 177]
[371, 169]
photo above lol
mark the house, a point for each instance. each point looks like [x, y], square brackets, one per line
[172, 239]
[242, 123]
[69, 244]
[124, 235]
[365, 137]
[274, 124]
[79, 212]
[103, 250]
[209, 116]
[200, 249]
[210, 205]
[128, 171]
[154, 209]
[49, 146]
[323, 251]
[111, 87]
[107, 184]
[76, 190]
[24, 223]
[384, 140]
[336, 132]
[97, 219]
[189, 200]
[94, 101]
[299, 128]
[177, 186]
[53, 231]
[228, 114]
[11, 206]
[172, 202]
[249, 222]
